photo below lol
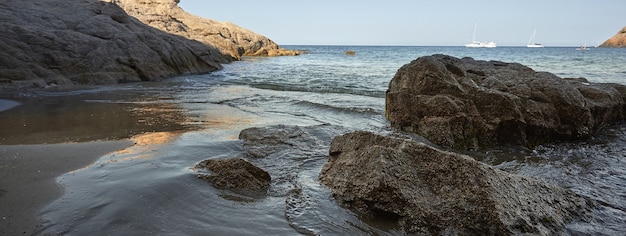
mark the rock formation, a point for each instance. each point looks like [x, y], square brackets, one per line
[49, 42]
[617, 41]
[231, 39]
[235, 174]
[432, 192]
[469, 104]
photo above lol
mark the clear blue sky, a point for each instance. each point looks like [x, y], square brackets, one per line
[428, 23]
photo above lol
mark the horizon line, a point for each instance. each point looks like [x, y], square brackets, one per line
[399, 45]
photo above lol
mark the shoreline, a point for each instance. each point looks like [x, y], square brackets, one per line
[6, 104]
[28, 175]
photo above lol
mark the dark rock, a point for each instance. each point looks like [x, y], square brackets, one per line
[433, 192]
[57, 42]
[235, 174]
[469, 104]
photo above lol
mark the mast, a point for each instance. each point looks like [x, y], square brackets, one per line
[531, 41]
[474, 35]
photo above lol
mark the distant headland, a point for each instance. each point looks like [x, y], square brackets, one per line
[617, 41]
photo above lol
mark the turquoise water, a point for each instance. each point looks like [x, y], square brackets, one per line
[152, 189]
[375, 65]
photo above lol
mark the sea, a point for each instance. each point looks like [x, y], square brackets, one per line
[152, 188]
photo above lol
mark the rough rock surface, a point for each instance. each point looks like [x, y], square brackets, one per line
[235, 174]
[433, 192]
[231, 39]
[261, 142]
[617, 41]
[470, 104]
[49, 42]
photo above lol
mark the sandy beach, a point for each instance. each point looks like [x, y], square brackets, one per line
[28, 178]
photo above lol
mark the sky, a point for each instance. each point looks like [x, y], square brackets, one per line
[420, 22]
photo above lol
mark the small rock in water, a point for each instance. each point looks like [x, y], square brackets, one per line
[235, 174]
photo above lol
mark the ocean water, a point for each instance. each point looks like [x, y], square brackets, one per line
[152, 188]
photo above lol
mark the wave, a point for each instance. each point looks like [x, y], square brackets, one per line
[317, 89]
[358, 110]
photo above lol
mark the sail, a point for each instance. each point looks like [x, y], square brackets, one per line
[531, 42]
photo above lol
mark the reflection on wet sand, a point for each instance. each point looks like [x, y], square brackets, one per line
[145, 143]
[143, 147]
[70, 119]
[227, 118]
[222, 118]
[157, 138]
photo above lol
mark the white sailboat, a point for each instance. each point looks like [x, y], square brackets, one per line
[477, 44]
[531, 41]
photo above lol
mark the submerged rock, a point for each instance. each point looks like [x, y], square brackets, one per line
[617, 41]
[469, 104]
[231, 39]
[434, 192]
[235, 174]
[57, 42]
[261, 142]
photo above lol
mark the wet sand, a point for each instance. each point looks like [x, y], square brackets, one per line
[43, 137]
[28, 178]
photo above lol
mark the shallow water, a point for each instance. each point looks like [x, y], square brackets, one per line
[86, 115]
[152, 187]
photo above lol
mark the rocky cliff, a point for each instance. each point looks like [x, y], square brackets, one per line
[58, 42]
[617, 41]
[231, 39]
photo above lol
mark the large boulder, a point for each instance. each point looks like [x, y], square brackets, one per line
[469, 104]
[48, 42]
[433, 192]
[617, 41]
[231, 39]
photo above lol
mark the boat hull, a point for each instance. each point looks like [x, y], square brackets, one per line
[481, 45]
[534, 45]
